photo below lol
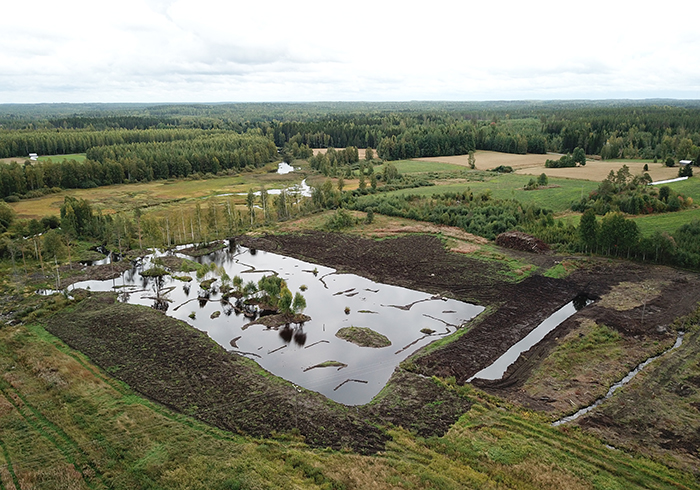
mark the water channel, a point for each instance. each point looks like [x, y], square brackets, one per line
[398, 313]
[499, 367]
[628, 377]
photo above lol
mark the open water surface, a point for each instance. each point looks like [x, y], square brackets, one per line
[499, 367]
[398, 313]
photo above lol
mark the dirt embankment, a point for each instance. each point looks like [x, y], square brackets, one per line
[179, 366]
[176, 365]
[421, 262]
[172, 363]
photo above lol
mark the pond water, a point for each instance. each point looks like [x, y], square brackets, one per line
[398, 313]
[284, 168]
[501, 365]
[302, 189]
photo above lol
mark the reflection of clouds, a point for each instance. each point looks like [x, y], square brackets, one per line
[325, 309]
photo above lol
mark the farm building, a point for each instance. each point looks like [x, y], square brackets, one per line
[33, 156]
[683, 163]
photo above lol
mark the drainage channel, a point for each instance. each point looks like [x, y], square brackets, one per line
[619, 384]
[499, 367]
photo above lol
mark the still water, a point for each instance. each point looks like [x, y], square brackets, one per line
[398, 313]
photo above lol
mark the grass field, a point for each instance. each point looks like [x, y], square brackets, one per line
[78, 157]
[148, 194]
[668, 222]
[557, 196]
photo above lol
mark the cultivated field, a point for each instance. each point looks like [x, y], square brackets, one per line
[532, 164]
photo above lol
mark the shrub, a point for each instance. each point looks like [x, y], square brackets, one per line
[685, 171]
[339, 220]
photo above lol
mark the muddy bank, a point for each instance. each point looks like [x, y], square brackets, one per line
[176, 365]
[180, 367]
[421, 262]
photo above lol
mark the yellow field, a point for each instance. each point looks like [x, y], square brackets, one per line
[360, 152]
[532, 164]
[115, 198]
[486, 160]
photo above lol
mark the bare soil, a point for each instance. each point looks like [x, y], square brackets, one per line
[170, 362]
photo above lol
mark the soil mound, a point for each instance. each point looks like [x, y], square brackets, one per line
[518, 240]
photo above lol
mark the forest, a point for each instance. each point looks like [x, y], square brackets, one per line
[140, 143]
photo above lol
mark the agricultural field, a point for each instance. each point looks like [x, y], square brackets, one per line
[530, 164]
[78, 157]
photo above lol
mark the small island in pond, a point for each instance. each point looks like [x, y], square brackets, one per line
[363, 336]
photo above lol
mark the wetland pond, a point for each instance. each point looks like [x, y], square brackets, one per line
[309, 355]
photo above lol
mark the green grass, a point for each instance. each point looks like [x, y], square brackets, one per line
[416, 166]
[514, 270]
[689, 188]
[557, 197]
[78, 157]
[65, 423]
[668, 222]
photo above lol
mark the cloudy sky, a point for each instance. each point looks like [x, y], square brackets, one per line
[371, 50]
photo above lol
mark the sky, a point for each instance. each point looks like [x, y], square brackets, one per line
[258, 51]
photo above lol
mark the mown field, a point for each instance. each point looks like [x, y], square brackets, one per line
[531, 164]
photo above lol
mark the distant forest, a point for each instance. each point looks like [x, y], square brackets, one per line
[139, 142]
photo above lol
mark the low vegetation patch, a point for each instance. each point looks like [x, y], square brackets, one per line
[629, 295]
[363, 336]
[586, 362]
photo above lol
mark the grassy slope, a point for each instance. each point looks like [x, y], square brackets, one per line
[67, 424]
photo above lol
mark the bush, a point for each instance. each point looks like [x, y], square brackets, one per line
[685, 171]
[339, 220]
[502, 169]
[12, 198]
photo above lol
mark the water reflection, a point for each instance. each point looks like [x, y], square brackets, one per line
[501, 365]
[371, 368]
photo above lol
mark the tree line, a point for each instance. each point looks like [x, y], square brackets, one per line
[63, 142]
[397, 130]
[135, 162]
